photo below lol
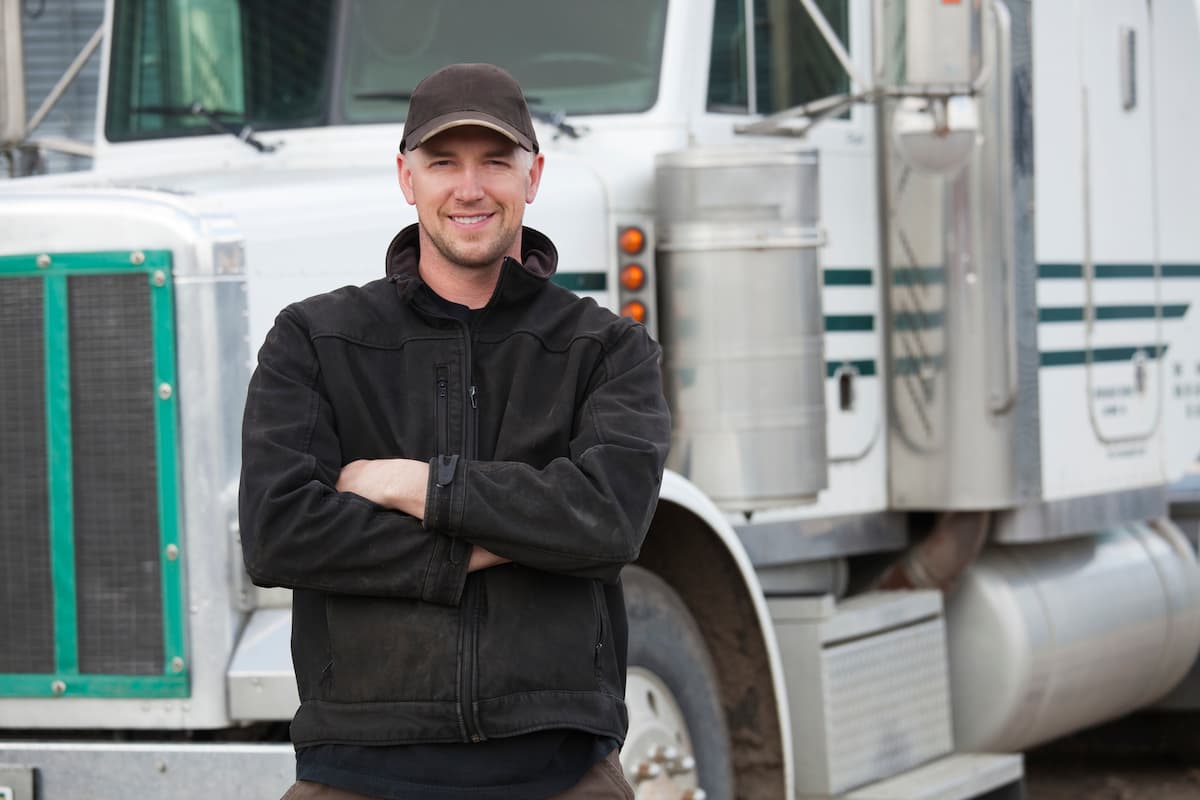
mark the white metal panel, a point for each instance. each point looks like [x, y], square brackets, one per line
[1175, 30]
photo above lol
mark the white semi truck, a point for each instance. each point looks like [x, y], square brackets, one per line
[927, 278]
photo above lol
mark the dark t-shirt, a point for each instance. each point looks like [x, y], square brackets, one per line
[530, 767]
[533, 766]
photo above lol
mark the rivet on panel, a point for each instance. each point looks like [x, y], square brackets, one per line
[164, 391]
[43, 261]
[172, 552]
[137, 258]
[160, 278]
[59, 688]
[177, 664]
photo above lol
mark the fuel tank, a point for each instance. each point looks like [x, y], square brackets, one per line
[1046, 639]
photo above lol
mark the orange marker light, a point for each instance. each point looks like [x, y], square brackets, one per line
[634, 310]
[633, 277]
[632, 240]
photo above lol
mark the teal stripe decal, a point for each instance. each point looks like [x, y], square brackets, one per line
[58, 427]
[162, 323]
[913, 365]
[1104, 271]
[1114, 271]
[81, 263]
[1075, 313]
[74, 685]
[1099, 355]
[1059, 271]
[918, 320]
[864, 367]
[847, 277]
[849, 322]
[582, 281]
[918, 276]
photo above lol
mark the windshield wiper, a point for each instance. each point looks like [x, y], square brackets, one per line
[557, 119]
[383, 94]
[213, 116]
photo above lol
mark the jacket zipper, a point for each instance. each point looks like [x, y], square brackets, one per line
[442, 414]
[598, 605]
[469, 683]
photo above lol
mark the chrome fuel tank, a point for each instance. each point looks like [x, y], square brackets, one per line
[1047, 639]
[741, 322]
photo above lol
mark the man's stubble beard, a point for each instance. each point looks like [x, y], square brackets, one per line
[493, 255]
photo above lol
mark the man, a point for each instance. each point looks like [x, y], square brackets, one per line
[449, 467]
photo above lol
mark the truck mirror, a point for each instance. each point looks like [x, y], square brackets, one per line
[12, 75]
[930, 45]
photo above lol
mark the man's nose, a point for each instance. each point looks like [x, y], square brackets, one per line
[469, 186]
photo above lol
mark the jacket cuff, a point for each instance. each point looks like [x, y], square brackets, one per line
[445, 494]
[446, 574]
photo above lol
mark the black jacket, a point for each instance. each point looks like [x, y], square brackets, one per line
[546, 429]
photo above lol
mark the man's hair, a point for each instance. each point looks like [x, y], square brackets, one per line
[523, 155]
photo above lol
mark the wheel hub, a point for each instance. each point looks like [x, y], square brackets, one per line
[657, 757]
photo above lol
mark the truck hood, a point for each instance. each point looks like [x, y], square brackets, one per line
[311, 229]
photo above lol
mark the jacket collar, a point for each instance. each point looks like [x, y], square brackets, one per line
[518, 279]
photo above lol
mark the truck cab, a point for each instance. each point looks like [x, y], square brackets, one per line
[923, 423]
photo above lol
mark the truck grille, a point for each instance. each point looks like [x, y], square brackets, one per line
[27, 621]
[115, 470]
[90, 577]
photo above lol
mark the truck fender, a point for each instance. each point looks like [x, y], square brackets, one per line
[693, 547]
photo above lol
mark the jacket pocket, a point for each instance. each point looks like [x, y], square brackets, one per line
[391, 649]
[539, 633]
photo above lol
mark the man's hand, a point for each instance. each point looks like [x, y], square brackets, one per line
[482, 559]
[395, 483]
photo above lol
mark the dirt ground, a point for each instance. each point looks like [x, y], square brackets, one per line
[1110, 781]
[1144, 757]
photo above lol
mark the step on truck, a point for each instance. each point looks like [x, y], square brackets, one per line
[927, 279]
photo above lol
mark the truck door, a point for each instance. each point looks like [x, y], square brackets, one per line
[1122, 310]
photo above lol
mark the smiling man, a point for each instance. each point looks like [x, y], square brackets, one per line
[449, 467]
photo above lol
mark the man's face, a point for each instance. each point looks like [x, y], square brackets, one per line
[470, 186]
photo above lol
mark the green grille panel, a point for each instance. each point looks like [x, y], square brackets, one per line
[90, 567]
[26, 589]
[115, 474]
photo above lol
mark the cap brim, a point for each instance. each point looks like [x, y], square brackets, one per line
[459, 119]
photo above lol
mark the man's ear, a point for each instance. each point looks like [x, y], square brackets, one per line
[405, 176]
[537, 163]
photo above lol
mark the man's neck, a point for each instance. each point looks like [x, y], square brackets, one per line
[469, 286]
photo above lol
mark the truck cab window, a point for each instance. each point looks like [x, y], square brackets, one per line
[253, 62]
[577, 58]
[727, 84]
[792, 63]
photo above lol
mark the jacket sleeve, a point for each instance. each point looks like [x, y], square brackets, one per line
[297, 530]
[585, 515]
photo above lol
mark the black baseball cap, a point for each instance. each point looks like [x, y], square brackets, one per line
[468, 94]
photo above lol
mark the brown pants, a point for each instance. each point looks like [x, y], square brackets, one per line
[604, 781]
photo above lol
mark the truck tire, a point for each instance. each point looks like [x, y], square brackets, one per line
[674, 698]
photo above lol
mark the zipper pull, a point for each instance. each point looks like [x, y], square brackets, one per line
[474, 401]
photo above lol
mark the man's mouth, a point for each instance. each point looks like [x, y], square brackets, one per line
[471, 220]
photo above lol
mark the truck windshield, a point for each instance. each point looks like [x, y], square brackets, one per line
[300, 63]
[570, 57]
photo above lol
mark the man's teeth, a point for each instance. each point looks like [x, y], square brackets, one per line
[470, 220]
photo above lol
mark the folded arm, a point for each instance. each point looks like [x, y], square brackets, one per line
[297, 529]
[586, 514]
